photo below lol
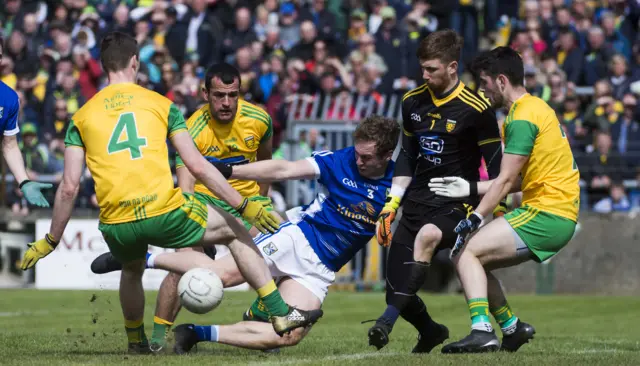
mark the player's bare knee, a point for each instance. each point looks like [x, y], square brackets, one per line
[133, 268]
[293, 338]
[426, 242]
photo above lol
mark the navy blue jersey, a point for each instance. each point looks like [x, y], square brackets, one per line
[9, 108]
[342, 218]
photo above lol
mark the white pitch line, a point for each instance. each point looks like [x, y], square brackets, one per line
[352, 357]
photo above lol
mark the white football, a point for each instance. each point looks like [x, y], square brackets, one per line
[200, 290]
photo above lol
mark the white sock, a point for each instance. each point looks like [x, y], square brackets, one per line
[483, 326]
[151, 260]
[511, 327]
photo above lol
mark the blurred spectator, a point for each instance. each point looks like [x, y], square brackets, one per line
[625, 132]
[617, 201]
[569, 55]
[598, 56]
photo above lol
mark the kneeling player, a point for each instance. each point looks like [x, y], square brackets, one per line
[537, 149]
[303, 254]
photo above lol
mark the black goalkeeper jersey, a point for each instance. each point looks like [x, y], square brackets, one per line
[444, 137]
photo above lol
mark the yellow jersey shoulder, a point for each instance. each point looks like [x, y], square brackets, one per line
[255, 119]
[532, 109]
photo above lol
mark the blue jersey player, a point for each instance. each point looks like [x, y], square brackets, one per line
[9, 108]
[304, 254]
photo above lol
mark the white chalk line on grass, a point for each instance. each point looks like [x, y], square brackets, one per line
[352, 357]
[8, 314]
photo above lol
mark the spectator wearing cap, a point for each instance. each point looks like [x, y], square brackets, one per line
[597, 58]
[357, 27]
[569, 56]
[289, 26]
[241, 35]
[35, 154]
[625, 132]
[390, 45]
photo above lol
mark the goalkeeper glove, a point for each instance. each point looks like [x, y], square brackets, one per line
[454, 187]
[31, 191]
[225, 169]
[258, 216]
[465, 228]
[37, 251]
[386, 217]
[500, 210]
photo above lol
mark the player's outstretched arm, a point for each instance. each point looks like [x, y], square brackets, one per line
[457, 187]
[211, 177]
[275, 170]
[62, 207]
[13, 157]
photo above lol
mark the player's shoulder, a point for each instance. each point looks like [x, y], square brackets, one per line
[253, 112]
[201, 113]
[8, 95]
[472, 100]
[530, 108]
[414, 94]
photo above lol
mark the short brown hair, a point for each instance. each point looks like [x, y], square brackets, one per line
[116, 50]
[381, 130]
[444, 45]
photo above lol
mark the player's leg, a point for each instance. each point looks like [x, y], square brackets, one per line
[123, 244]
[251, 334]
[399, 302]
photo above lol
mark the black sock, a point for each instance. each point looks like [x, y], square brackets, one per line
[416, 313]
[400, 300]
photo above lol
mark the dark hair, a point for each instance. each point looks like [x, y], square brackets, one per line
[500, 61]
[444, 45]
[1, 45]
[116, 50]
[381, 130]
[223, 71]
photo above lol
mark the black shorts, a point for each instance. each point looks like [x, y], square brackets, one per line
[415, 216]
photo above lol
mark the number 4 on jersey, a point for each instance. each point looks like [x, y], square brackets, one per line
[131, 141]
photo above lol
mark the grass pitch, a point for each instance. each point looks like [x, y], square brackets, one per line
[86, 327]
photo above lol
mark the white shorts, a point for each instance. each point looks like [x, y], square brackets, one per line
[289, 254]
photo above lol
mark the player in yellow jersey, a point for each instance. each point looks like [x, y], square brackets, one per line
[538, 161]
[121, 133]
[225, 129]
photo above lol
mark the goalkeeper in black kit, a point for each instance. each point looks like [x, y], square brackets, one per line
[447, 129]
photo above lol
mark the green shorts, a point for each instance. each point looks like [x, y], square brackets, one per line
[180, 228]
[265, 201]
[542, 232]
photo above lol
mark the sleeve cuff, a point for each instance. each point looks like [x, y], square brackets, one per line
[315, 165]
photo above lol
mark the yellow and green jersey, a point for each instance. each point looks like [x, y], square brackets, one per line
[123, 130]
[550, 176]
[234, 143]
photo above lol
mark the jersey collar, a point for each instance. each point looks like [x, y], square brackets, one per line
[448, 96]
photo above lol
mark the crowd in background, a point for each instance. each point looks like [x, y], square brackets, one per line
[329, 49]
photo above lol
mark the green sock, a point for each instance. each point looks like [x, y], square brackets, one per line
[160, 330]
[135, 331]
[505, 318]
[479, 310]
[271, 298]
[258, 311]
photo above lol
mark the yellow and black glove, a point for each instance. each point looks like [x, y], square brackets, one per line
[37, 251]
[386, 217]
[256, 214]
[500, 210]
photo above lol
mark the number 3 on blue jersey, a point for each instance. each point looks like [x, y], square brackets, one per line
[370, 195]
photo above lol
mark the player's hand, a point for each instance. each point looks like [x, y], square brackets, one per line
[500, 210]
[31, 191]
[465, 228]
[386, 217]
[37, 251]
[450, 187]
[255, 213]
[225, 169]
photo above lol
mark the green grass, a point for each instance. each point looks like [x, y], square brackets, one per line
[65, 327]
